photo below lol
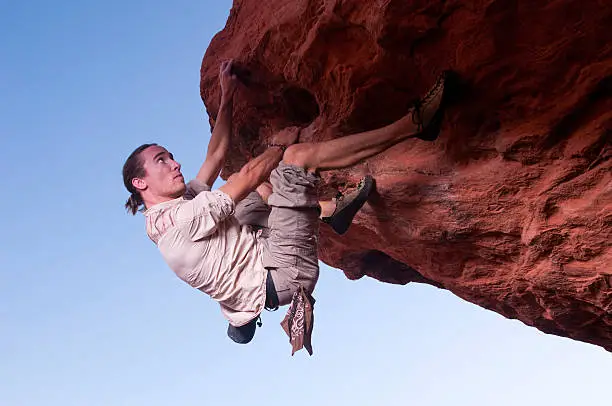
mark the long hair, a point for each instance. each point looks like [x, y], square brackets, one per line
[133, 168]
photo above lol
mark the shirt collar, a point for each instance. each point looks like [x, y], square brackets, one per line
[163, 205]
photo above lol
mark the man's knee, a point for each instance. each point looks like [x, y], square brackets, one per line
[300, 155]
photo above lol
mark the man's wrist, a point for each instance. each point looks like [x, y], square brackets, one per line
[281, 146]
[225, 102]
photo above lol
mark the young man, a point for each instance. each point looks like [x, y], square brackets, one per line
[243, 268]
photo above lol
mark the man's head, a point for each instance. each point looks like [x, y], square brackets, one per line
[152, 176]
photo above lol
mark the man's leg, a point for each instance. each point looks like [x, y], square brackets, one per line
[338, 213]
[252, 211]
[347, 151]
[290, 251]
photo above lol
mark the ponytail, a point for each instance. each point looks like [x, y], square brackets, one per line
[133, 203]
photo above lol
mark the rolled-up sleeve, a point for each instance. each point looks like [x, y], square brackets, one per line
[200, 216]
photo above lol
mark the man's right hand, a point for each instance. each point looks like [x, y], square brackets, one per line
[286, 136]
[227, 79]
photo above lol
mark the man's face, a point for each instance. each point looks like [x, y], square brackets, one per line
[163, 179]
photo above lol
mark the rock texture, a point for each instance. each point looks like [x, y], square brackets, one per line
[511, 207]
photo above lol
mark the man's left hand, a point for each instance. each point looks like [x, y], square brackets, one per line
[227, 79]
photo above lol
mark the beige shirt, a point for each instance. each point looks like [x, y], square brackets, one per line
[205, 246]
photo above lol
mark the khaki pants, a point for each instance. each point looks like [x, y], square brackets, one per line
[291, 229]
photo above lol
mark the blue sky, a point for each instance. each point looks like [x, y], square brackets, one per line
[91, 315]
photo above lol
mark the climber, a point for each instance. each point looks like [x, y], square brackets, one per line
[244, 268]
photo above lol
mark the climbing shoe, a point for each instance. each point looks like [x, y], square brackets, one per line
[348, 205]
[243, 334]
[428, 130]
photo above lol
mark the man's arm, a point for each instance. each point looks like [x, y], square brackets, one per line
[258, 170]
[252, 174]
[198, 218]
[221, 134]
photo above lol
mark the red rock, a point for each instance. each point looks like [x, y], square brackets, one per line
[511, 207]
